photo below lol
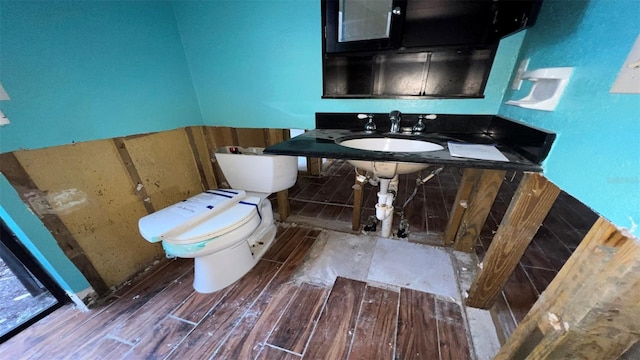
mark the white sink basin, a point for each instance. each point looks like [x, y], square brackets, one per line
[391, 145]
[387, 169]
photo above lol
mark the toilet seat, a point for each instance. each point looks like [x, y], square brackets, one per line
[206, 217]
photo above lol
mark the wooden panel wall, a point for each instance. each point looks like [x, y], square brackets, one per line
[99, 189]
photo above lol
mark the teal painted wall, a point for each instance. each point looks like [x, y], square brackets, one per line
[596, 157]
[38, 240]
[79, 71]
[259, 64]
[87, 70]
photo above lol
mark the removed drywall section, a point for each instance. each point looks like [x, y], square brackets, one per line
[166, 165]
[104, 222]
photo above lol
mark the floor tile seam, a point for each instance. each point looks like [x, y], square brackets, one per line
[275, 323]
[281, 349]
[139, 282]
[237, 322]
[181, 319]
[465, 318]
[205, 316]
[317, 321]
[321, 202]
[533, 285]
[436, 318]
[394, 352]
[355, 324]
[157, 295]
[537, 267]
[513, 317]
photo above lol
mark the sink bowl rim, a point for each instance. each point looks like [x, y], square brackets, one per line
[433, 143]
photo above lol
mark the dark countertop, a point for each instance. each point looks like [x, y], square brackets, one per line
[524, 146]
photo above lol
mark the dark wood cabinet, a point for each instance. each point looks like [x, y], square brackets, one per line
[426, 48]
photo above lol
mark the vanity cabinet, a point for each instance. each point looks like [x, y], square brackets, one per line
[415, 48]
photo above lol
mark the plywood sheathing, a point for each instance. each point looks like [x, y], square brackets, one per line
[96, 202]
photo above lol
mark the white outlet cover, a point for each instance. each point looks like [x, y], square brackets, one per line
[628, 80]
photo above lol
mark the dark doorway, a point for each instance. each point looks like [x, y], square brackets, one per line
[27, 292]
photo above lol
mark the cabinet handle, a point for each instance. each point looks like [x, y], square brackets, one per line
[396, 10]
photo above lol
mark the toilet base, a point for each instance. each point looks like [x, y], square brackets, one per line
[218, 270]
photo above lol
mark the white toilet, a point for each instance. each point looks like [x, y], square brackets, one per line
[226, 231]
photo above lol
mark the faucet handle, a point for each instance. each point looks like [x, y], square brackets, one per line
[420, 126]
[370, 125]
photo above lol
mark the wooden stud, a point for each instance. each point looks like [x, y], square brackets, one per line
[469, 178]
[314, 166]
[202, 160]
[591, 310]
[283, 204]
[483, 194]
[121, 146]
[358, 195]
[529, 206]
[22, 182]
[274, 136]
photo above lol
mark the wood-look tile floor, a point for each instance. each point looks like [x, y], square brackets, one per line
[262, 316]
[327, 201]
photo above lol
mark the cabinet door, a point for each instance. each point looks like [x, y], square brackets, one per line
[362, 25]
[514, 15]
[430, 23]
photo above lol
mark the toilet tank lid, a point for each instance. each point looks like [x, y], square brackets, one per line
[179, 217]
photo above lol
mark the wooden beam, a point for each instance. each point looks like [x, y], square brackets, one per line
[314, 166]
[469, 178]
[529, 206]
[271, 137]
[22, 182]
[357, 203]
[591, 310]
[201, 157]
[482, 195]
[141, 191]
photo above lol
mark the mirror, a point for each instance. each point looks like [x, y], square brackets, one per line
[364, 19]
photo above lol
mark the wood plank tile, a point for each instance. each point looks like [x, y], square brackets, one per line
[283, 246]
[540, 278]
[147, 316]
[269, 353]
[213, 330]
[311, 209]
[114, 348]
[165, 337]
[246, 339]
[452, 335]
[33, 339]
[502, 315]
[375, 333]
[293, 329]
[520, 294]
[417, 326]
[197, 305]
[334, 331]
[81, 341]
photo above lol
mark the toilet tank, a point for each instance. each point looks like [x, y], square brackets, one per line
[251, 170]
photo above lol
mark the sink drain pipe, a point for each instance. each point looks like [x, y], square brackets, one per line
[384, 207]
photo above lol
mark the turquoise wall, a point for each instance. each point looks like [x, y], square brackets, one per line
[259, 64]
[38, 240]
[596, 157]
[79, 71]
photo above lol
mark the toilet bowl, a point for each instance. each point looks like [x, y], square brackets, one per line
[225, 231]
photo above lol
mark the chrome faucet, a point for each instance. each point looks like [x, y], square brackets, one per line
[395, 117]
